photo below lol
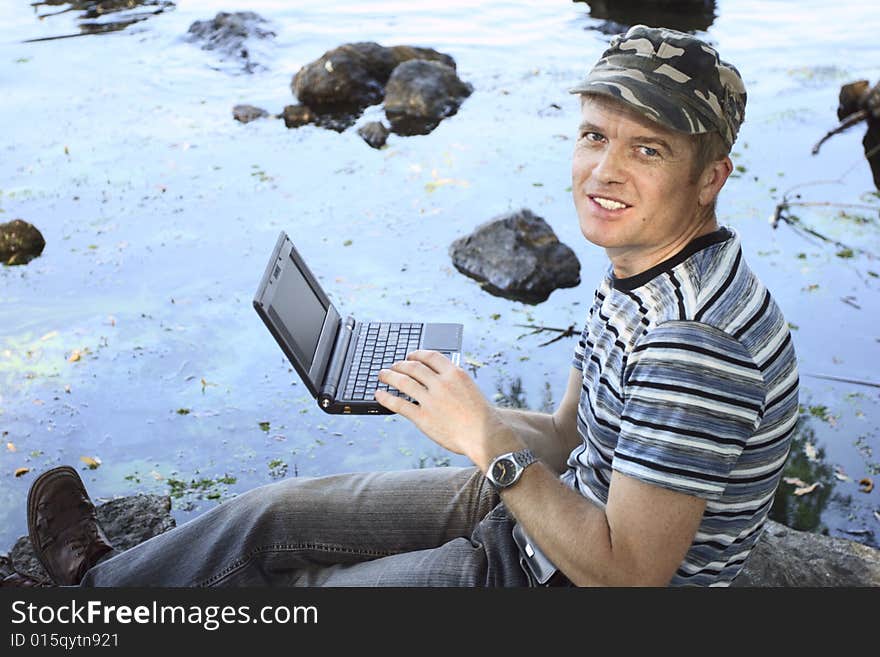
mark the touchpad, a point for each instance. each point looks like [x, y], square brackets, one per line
[442, 337]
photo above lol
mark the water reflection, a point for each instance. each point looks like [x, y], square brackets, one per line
[93, 11]
[511, 394]
[806, 464]
[683, 15]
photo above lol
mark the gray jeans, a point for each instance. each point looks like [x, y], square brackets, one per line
[431, 527]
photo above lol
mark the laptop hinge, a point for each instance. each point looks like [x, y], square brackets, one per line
[327, 394]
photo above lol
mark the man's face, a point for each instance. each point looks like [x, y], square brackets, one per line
[633, 186]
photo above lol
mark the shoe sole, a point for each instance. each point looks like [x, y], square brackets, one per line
[33, 495]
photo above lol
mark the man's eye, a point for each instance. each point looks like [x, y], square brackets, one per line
[648, 151]
[591, 136]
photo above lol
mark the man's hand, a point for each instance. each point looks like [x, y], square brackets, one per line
[451, 409]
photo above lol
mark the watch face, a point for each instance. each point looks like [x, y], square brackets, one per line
[503, 471]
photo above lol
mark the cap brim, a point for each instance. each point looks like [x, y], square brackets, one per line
[668, 108]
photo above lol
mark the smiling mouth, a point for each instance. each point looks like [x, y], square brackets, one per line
[608, 203]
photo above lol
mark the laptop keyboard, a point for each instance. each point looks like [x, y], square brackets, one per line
[379, 345]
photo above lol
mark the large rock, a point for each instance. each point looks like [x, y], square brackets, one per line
[126, 521]
[517, 256]
[420, 94]
[353, 75]
[787, 557]
[20, 242]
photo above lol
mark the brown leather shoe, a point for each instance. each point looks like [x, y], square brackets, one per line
[63, 526]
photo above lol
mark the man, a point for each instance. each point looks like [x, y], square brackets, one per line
[659, 465]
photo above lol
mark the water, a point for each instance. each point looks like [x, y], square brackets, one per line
[159, 211]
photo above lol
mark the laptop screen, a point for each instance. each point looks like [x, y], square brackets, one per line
[300, 310]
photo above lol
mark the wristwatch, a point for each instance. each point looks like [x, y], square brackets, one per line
[506, 469]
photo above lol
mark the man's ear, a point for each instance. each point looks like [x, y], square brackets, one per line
[713, 178]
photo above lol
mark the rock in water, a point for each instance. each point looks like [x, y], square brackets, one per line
[517, 256]
[20, 242]
[297, 115]
[420, 94]
[683, 15]
[353, 75]
[374, 133]
[248, 113]
[228, 32]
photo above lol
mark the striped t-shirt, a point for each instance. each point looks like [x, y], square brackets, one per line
[690, 383]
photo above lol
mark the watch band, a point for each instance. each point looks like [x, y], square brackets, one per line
[524, 457]
[521, 458]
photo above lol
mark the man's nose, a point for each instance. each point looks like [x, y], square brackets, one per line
[609, 168]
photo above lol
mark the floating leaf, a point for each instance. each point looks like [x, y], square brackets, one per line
[92, 462]
[810, 451]
[75, 356]
[433, 185]
[11, 447]
[794, 481]
[841, 475]
[157, 475]
[866, 485]
[806, 489]
[183, 411]
[264, 426]
[21, 471]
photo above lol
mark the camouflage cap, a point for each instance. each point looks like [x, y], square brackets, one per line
[672, 78]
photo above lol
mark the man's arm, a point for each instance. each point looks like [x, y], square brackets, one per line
[639, 539]
[551, 437]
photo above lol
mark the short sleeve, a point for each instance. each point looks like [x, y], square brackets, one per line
[580, 349]
[692, 398]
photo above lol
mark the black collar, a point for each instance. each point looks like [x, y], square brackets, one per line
[697, 244]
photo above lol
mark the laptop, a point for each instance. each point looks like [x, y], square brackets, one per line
[338, 359]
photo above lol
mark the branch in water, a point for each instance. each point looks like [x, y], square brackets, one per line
[848, 122]
[563, 333]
